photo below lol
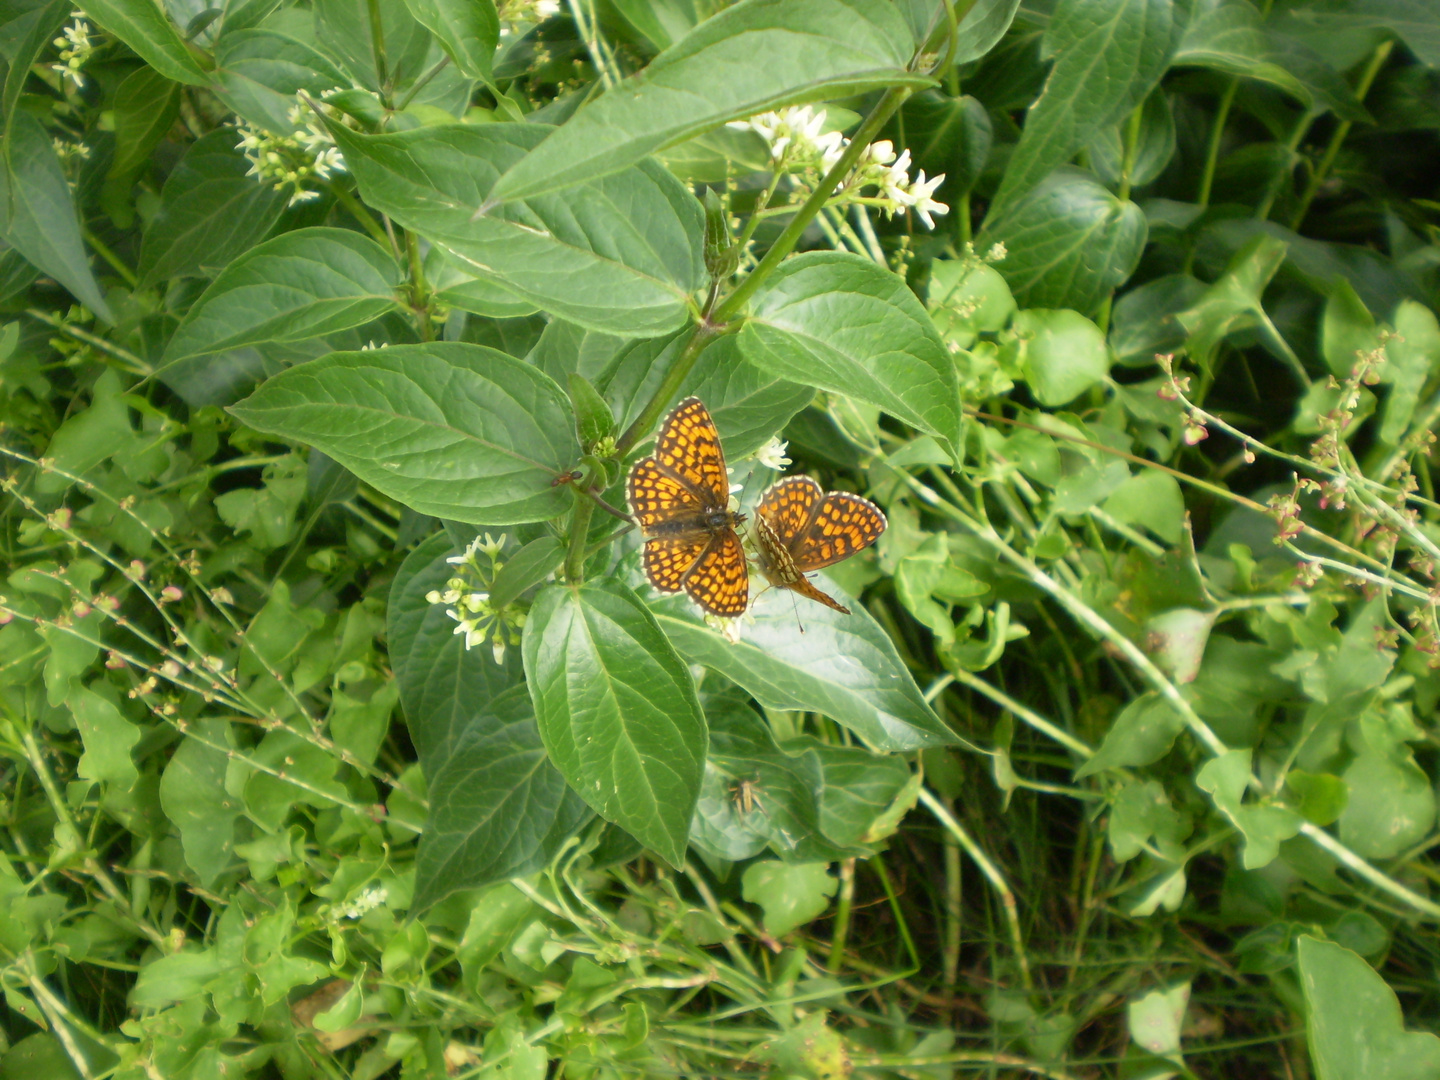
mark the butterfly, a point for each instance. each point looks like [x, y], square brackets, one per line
[681, 497]
[800, 527]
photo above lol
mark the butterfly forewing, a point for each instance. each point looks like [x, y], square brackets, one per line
[688, 447]
[657, 498]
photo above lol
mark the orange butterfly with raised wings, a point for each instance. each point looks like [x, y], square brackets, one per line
[800, 527]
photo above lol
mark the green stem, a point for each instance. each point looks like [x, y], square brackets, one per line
[377, 48]
[1217, 132]
[703, 334]
[419, 291]
[884, 109]
[1292, 147]
[579, 532]
[422, 82]
[843, 907]
[1317, 179]
[360, 214]
[137, 366]
[110, 257]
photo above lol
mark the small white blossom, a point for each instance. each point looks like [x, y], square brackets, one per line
[75, 49]
[475, 616]
[296, 160]
[772, 455]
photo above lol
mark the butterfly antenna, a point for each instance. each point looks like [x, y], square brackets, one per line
[796, 605]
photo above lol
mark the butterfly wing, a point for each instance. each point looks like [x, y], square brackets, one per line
[788, 505]
[842, 525]
[688, 447]
[803, 586]
[719, 582]
[667, 559]
[657, 498]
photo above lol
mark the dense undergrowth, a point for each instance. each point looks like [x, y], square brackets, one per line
[330, 331]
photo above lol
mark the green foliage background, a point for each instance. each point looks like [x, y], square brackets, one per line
[322, 316]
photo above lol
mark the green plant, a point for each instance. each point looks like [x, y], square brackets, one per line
[333, 325]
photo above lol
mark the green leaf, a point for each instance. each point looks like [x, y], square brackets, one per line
[1177, 638]
[144, 26]
[467, 30]
[1391, 804]
[752, 57]
[982, 28]
[749, 405]
[839, 322]
[449, 429]
[1063, 354]
[1354, 1024]
[1264, 826]
[620, 254]
[309, 779]
[1142, 733]
[498, 807]
[945, 135]
[108, 737]
[791, 894]
[529, 566]
[37, 212]
[843, 666]
[176, 977]
[1070, 242]
[1322, 796]
[261, 70]
[300, 285]
[345, 27]
[1109, 55]
[1415, 22]
[1152, 500]
[1155, 1019]
[27, 35]
[1229, 36]
[617, 710]
[1233, 303]
[861, 791]
[1410, 357]
[442, 684]
[146, 104]
[211, 211]
[192, 792]
[1154, 144]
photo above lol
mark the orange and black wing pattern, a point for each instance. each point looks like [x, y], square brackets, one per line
[799, 527]
[681, 496]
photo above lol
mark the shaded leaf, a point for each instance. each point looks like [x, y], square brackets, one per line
[144, 26]
[453, 430]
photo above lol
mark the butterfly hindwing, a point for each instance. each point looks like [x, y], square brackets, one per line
[666, 560]
[843, 524]
[719, 582]
[788, 505]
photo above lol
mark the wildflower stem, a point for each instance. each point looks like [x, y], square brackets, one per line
[579, 532]
[134, 365]
[419, 291]
[360, 214]
[116, 263]
[785, 243]
[377, 47]
[669, 386]
[421, 83]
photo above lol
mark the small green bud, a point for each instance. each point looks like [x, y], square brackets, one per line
[593, 419]
[721, 254]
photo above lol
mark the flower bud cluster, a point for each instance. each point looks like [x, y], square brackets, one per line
[76, 48]
[467, 598]
[800, 146]
[295, 161]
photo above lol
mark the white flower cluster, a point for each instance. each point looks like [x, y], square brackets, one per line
[799, 145]
[75, 49]
[293, 161]
[772, 455]
[469, 605]
[365, 903]
[537, 11]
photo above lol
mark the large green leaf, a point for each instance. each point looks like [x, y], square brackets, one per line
[1354, 1024]
[1069, 242]
[144, 26]
[840, 322]
[1109, 55]
[757, 55]
[211, 211]
[455, 430]
[146, 104]
[1415, 22]
[749, 405]
[467, 30]
[617, 710]
[621, 254]
[300, 285]
[37, 212]
[260, 71]
[26, 36]
[843, 666]
[345, 29]
[498, 808]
